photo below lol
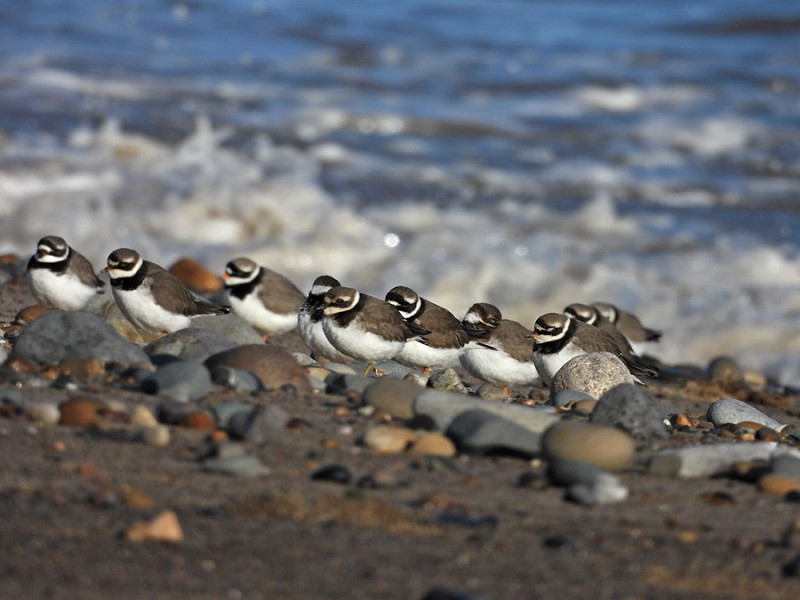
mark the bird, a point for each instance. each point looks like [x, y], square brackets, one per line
[559, 338]
[62, 277]
[309, 321]
[265, 299]
[364, 327]
[591, 316]
[441, 347]
[152, 298]
[628, 323]
[500, 350]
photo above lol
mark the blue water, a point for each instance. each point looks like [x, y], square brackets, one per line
[526, 153]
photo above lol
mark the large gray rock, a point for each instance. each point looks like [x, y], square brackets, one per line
[731, 410]
[630, 408]
[193, 343]
[714, 459]
[231, 326]
[594, 374]
[483, 432]
[274, 366]
[180, 380]
[59, 335]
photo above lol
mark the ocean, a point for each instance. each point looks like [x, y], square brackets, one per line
[525, 153]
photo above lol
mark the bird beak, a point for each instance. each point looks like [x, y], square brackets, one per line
[225, 277]
[106, 270]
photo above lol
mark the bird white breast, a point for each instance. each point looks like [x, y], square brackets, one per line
[313, 335]
[141, 309]
[418, 355]
[497, 366]
[64, 291]
[252, 310]
[360, 344]
[549, 364]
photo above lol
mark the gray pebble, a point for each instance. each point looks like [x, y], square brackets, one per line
[224, 412]
[259, 425]
[585, 483]
[59, 335]
[447, 380]
[484, 432]
[174, 412]
[631, 408]
[245, 465]
[193, 343]
[441, 408]
[488, 391]
[236, 379]
[230, 326]
[339, 383]
[594, 373]
[713, 459]
[786, 465]
[304, 359]
[179, 380]
[731, 410]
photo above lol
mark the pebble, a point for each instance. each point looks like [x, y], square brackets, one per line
[239, 465]
[731, 410]
[201, 420]
[82, 370]
[594, 373]
[440, 593]
[713, 459]
[725, 370]
[230, 326]
[224, 411]
[786, 465]
[259, 425]
[236, 379]
[30, 313]
[274, 366]
[78, 412]
[180, 380]
[598, 445]
[338, 383]
[491, 392]
[155, 435]
[631, 408]
[586, 483]
[778, 485]
[57, 336]
[447, 380]
[481, 431]
[393, 396]
[432, 443]
[333, 473]
[174, 412]
[385, 439]
[195, 276]
[441, 408]
[193, 344]
[566, 397]
[43, 413]
[163, 528]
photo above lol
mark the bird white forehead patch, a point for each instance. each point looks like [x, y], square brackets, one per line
[118, 273]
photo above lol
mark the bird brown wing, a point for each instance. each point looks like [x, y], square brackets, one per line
[175, 297]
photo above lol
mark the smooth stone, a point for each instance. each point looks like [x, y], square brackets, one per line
[714, 459]
[304, 359]
[59, 335]
[265, 422]
[334, 473]
[181, 380]
[567, 397]
[155, 435]
[393, 396]
[163, 528]
[786, 465]
[778, 485]
[384, 439]
[441, 408]
[432, 443]
[586, 483]
[447, 380]
[491, 392]
[731, 410]
[225, 411]
[193, 343]
[339, 383]
[604, 447]
[195, 276]
[44, 413]
[200, 419]
[725, 370]
[485, 432]
[143, 417]
[230, 326]
[236, 379]
[78, 412]
[630, 407]
[337, 367]
[174, 412]
[594, 373]
[274, 366]
[240, 465]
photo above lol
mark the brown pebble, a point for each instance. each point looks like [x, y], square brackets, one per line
[195, 276]
[725, 369]
[331, 444]
[274, 366]
[584, 407]
[82, 370]
[432, 444]
[341, 411]
[20, 365]
[137, 498]
[688, 537]
[201, 420]
[778, 485]
[768, 434]
[385, 439]
[218, 436]
[9, 260]
[164, 528]
[31, 313]
[78, 413]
